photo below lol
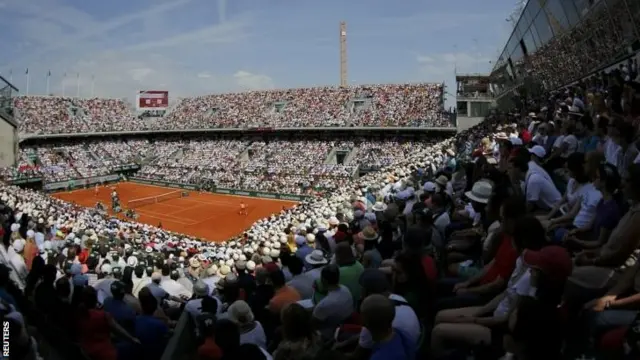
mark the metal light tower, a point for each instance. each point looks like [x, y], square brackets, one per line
[343, 54]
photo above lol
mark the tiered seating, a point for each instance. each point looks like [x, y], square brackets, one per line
[414, 105]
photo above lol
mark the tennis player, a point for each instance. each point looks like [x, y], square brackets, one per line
[97, 190]
[243, 208]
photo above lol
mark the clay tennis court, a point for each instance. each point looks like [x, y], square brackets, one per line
[209, 216]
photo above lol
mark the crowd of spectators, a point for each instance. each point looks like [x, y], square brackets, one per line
[293, 167]
[458, 248]
[414, 105]
[517, 238]
[606, 33]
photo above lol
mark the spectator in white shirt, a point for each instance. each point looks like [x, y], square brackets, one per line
[538, 187]
[586, 197]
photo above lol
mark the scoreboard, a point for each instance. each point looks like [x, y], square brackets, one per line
[152, 100]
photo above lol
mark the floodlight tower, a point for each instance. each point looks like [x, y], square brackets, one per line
[343, 54]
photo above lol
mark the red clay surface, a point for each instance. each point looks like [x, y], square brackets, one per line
[209, 216]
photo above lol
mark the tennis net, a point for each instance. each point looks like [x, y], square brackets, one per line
[136, 203]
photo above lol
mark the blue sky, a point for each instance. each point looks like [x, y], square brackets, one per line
[192, 47]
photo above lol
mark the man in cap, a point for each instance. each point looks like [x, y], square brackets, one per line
[194, 305]
[103, 286]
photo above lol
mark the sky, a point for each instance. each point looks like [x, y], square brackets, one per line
[192, 47]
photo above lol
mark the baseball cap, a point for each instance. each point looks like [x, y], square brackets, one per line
[515, 141]
[538, 151]
[429, 186]
[554, 261]
[374, 281]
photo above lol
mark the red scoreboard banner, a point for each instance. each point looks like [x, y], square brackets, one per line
[152, 99]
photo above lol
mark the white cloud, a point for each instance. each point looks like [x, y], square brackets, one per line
[222, 11]
[139, 74]
[118, 56]
[425, 59]
[251, 81]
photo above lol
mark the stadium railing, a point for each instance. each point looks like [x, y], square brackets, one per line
[182, 344]
[407, 130]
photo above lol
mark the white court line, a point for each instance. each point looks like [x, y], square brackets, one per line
[185, 209]
[243, 217]
[169, 205]
[167, 217]
[223, 203]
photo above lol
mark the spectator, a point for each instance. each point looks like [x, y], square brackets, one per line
[152, 332]
[283, 294]
[299, 340]
[335, 307]
[251, 331]
[95, 327]
[378, 313]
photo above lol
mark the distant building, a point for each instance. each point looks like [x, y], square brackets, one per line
[557, 42]
[8, 125]
[474, 99]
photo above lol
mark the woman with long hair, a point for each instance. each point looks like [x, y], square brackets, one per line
[299, 339]
[94, 328]
[411, 282]
[35, 276]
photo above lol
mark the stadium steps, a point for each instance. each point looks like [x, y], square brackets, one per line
[331, 158]
[95, 156]
[152, 158]
[178, 154]
[244, 157]
[352, 154]
[355, 174]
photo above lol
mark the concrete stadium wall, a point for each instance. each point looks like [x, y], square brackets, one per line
[8, 143]
[467, 122]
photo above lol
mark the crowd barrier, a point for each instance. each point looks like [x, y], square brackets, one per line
[182, 344]
[80, 183]
[128, 167]
[217, 190]
[395, 129]
[22, 181]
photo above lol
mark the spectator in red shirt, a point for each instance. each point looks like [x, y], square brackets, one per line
[492, 279]
[525, 135]
[222, 339]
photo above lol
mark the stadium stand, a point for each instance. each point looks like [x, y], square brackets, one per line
[419, 105]
[517, 238]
